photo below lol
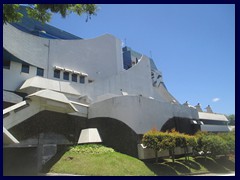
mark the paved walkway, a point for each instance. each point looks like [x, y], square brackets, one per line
[56, 174]
[210, 174]
[216, 174]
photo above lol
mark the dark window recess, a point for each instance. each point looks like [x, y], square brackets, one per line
[57, 73]
[6, 64]
[66, 75]
[25, 68]
[82, 79]
[214, 122]
[74, 77]
[90, 81]
[40, 72]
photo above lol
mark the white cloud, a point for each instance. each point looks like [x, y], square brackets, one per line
[215, 99]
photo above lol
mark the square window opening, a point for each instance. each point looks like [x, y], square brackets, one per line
[57, 73]
[25, 68]
[74, 77]
[40, 72]
[82, 79]
[66, 75]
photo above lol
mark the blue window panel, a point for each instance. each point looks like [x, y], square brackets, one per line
[40, 72]
[25, 68]
[74, 77]
[66, 75]
[82, 79]
[57, 73]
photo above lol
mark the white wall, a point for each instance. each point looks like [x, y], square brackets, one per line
[134, 81]
[99, 57]
[26, 47]
[139, 113]
[13, 78]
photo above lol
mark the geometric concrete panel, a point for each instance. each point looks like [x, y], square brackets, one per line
[8, 138]
[53, 98]
[89, 135]
[212, 116]
[11, 97]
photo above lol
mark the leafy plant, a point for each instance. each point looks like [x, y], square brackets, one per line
[91, 149]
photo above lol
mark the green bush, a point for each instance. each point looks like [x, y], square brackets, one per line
[208, 143]
[230, 140]
[152, 139]
[91, 149]
[169, 143]
[212, 144]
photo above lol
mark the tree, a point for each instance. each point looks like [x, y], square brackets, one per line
[44, 12]
[169, 143]
[212, 144]
[152, 139]
[229, 138]
[231, 119]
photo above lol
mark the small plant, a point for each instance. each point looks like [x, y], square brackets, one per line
[91, 149]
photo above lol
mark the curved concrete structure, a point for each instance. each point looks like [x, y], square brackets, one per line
[89, 81]
[135, 112]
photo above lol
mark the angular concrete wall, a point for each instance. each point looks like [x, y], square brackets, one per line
[139, 113]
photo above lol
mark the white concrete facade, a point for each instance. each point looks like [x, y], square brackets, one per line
[131, 96]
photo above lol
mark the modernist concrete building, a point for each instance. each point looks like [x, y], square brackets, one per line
[56, 84]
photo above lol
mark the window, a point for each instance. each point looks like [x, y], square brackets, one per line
[25, 68]
[6, 64]
[57, 73]
[82, 79]
[66, 75]
[74, 77]
[40, 72]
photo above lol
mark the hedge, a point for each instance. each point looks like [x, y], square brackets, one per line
[208, 143]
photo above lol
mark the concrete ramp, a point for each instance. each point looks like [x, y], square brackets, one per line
[36, 102]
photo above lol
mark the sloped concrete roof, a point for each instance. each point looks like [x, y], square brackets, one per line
[52, 95]
[44, 83]
[212, 116]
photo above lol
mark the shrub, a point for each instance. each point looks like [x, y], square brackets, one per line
[230, 140]
[169, 143]
[152, 139]
[190, 141]
[91, 149]
[212, 144]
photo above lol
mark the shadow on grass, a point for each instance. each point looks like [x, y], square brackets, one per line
[60, 152]
[181, 168]
[190, 164]
[161, 169]
[226, 163]
[211, 165]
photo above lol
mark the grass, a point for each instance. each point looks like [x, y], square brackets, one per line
[103, 163]
[97, 160]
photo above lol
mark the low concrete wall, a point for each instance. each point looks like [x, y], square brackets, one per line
[147, 153]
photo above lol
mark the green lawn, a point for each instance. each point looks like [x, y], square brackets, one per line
[100, 164]
[97, 160]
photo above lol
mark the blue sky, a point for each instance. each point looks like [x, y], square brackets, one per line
[193, 45]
